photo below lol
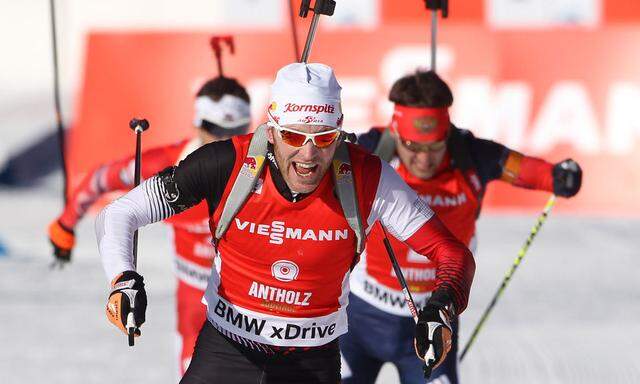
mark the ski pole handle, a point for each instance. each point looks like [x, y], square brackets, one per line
[321, 7]
[435, 5]
[217, 43]
[138, 126]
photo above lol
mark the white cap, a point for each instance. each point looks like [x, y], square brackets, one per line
[228, 112]
[306, 94]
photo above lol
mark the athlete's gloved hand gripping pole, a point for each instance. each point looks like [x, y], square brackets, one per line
[128, 300]
[567, 178]
[62, 239]
[433, 322]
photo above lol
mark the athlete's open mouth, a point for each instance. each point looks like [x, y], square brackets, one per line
[304, 169]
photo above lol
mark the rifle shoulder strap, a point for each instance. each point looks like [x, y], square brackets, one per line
[345, 189]
[250, 172]
[386, 147]
[246, 180]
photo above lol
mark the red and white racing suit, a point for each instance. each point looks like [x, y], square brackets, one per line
[454, 195]
[456, 202]
[192, 239]
[281, 275]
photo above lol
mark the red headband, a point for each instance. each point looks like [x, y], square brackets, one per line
[420, 124]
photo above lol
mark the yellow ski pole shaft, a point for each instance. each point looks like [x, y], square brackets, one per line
[534, 231]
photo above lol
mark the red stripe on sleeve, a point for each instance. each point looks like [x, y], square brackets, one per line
[455, 265]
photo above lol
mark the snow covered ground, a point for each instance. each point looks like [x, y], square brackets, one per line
[570, 315]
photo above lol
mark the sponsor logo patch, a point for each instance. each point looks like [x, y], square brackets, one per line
[390, 297]
[343, 171]
[311, 119]
[425, 124]
[312, 108]
[251, 165]
[280, 331]
[445, 200]
[277, 232]
[286, 296]
[284, 270]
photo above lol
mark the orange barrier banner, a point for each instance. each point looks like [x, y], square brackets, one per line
[553, 94]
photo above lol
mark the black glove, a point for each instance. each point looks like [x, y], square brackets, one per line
[62, 239]
[127, 297]
[567, 178]
[433, 330]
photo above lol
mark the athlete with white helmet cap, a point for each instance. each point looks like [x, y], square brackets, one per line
[221, 111]
[287, 233]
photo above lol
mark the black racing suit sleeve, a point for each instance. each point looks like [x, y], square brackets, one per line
[488, 156]
[369, 141]
[201, 175]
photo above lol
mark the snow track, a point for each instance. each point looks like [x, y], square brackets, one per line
[570, 314]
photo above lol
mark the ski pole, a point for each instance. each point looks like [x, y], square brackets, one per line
[434, 6]
[56, 100]
[58, 114]
[320, 7]
[294, 32]
[138, 126]
[534, 231]
[430, 355]
[217, 43]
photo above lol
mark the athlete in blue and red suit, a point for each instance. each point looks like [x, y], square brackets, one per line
[450, 169]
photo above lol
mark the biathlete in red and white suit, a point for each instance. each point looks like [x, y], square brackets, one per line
[221, 111]
[277, 296]
[450, 169]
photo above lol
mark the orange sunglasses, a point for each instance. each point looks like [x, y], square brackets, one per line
[298, 139]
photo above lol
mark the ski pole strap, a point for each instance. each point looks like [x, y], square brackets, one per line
[246, 180]
[534, 231]
[345, 189]
[386, 147]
